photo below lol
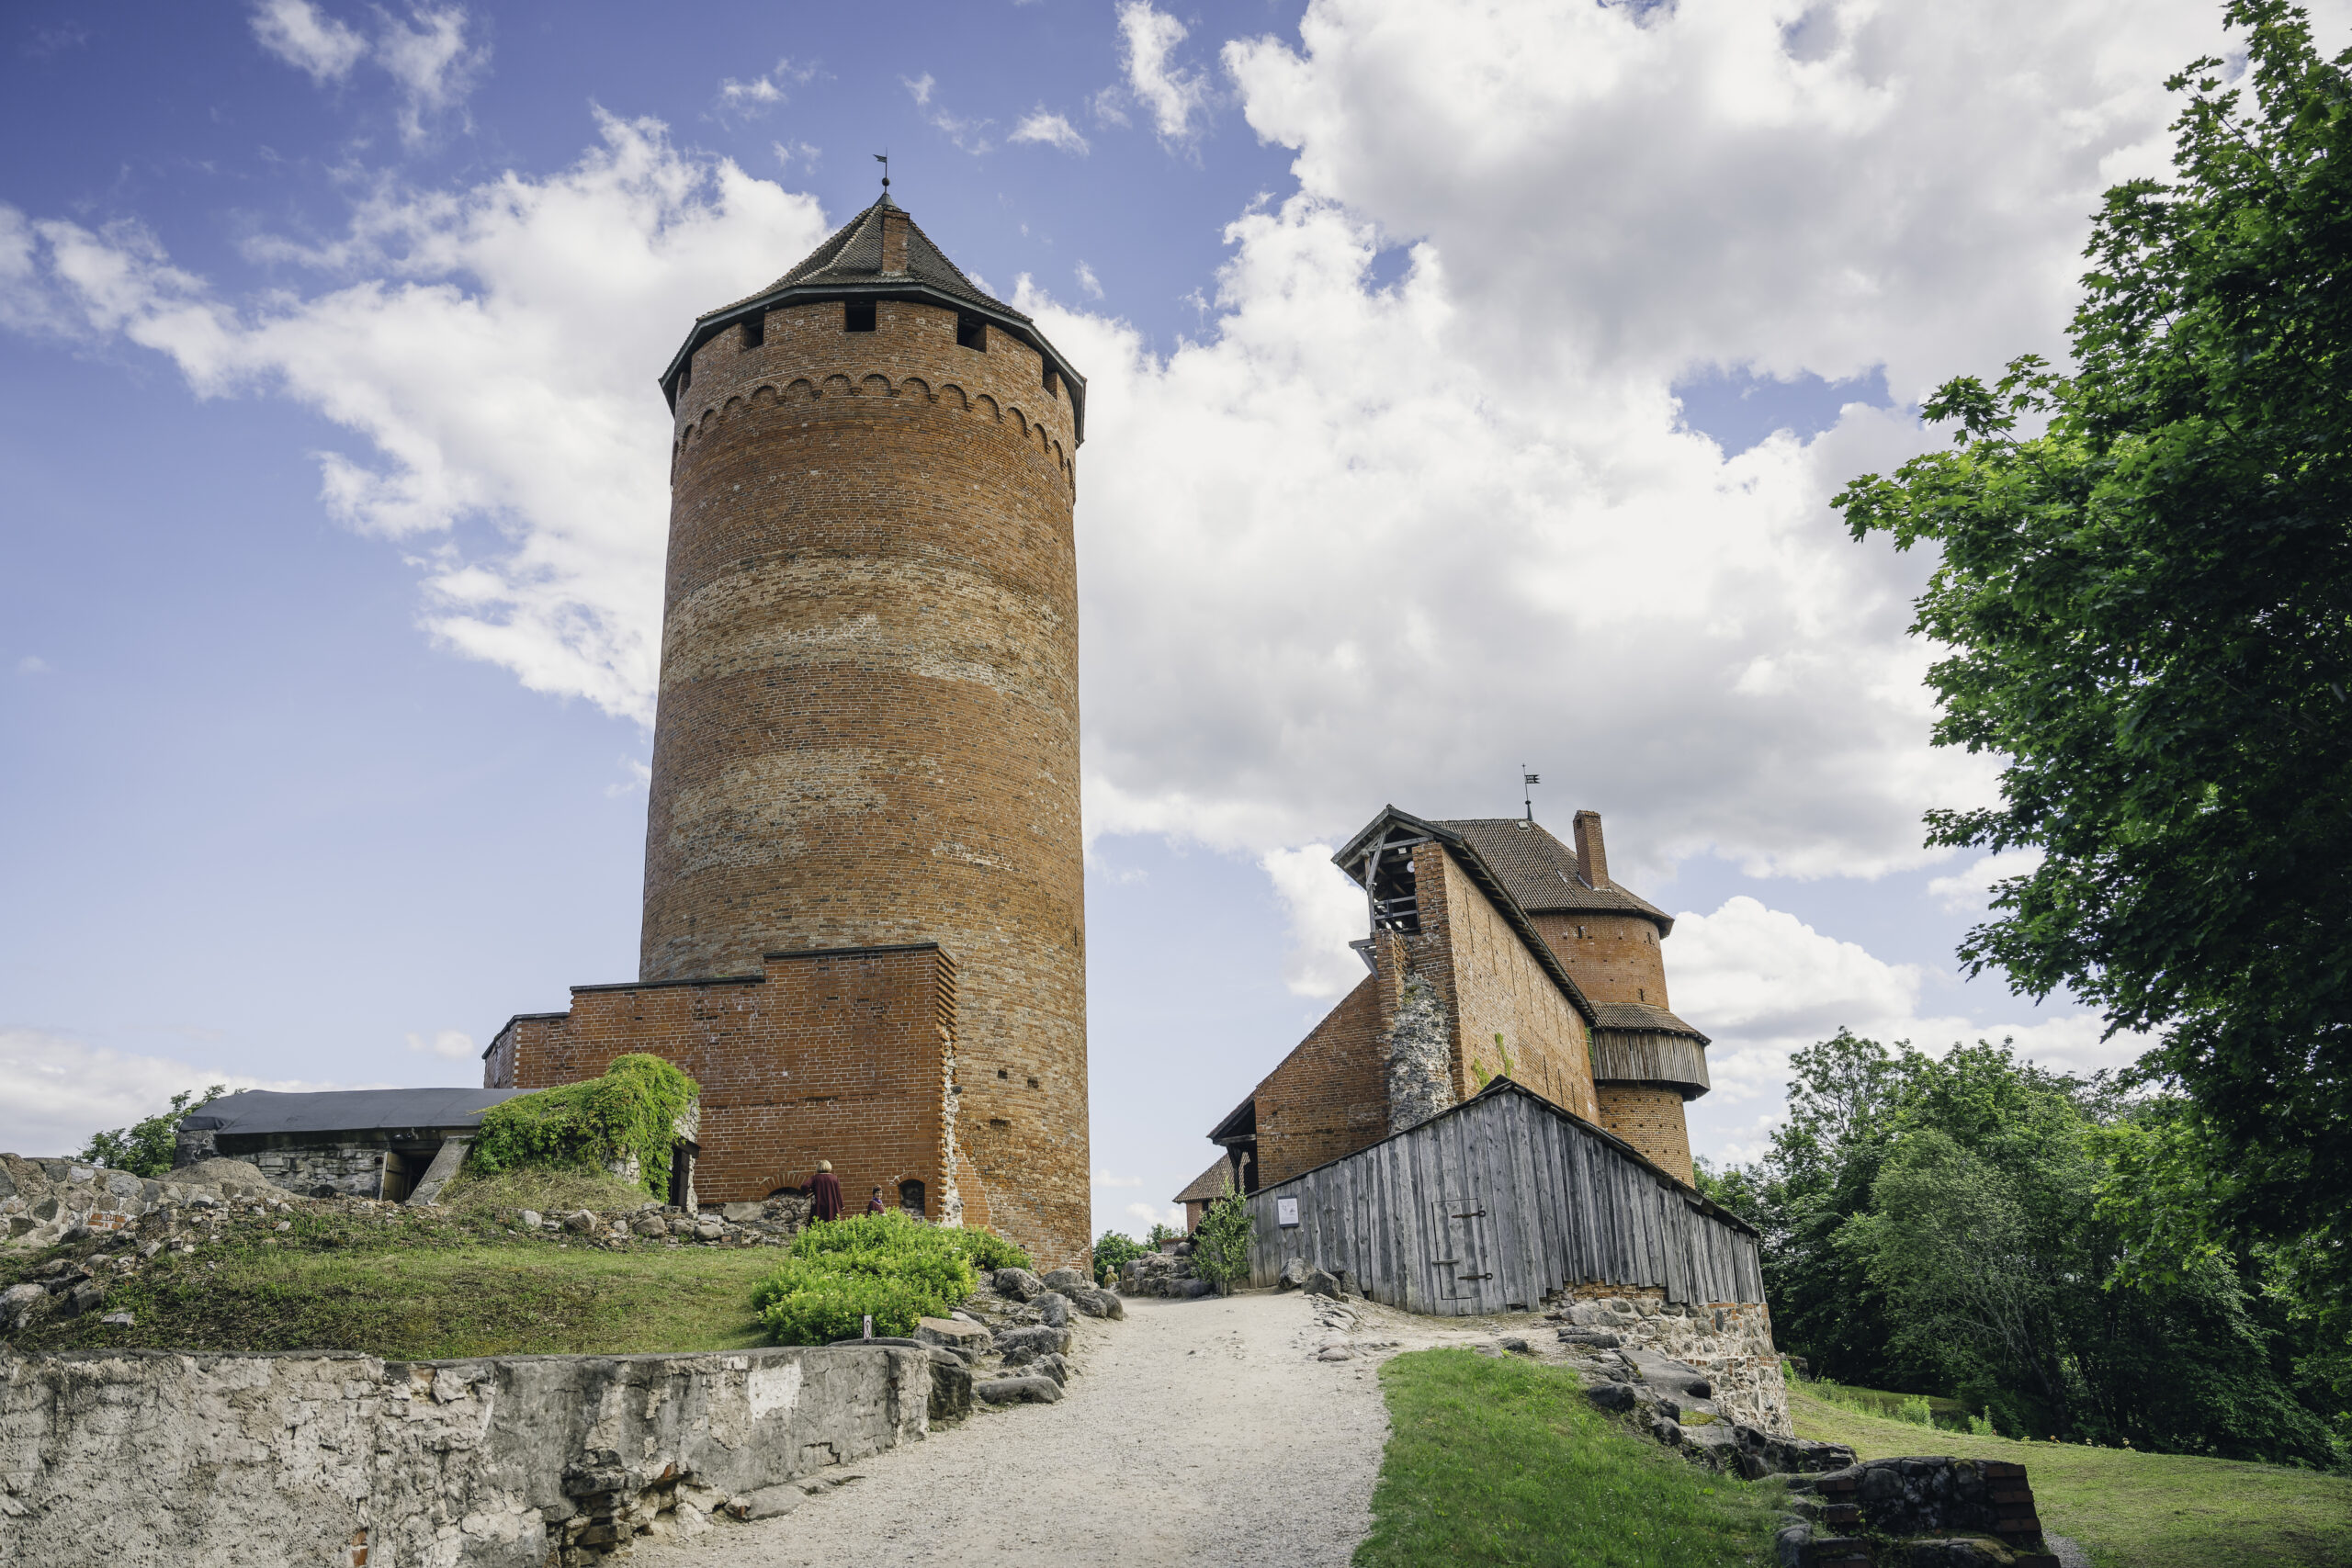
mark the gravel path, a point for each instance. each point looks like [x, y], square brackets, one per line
[1193, 1432]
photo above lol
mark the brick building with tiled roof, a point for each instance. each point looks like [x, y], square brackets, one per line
[1495, 951]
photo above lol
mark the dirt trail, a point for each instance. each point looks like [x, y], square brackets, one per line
[1196, 1432]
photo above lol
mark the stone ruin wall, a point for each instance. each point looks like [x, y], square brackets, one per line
[1729, 1341]
[149, 1459]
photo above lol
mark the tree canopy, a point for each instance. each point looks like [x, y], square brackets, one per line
[2145, 593]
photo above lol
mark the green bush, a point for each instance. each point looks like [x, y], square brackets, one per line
[144, 1148]
[1111, 1253]
[1221, 1245]
[632, 1110]
[890, 1265]
[1916, 1411]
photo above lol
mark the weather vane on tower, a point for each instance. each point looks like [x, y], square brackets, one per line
[884, 159]
[1527, 783]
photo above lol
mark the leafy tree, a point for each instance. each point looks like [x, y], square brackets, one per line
[1957, 1224]
[144, 1148]
[1112, 1250]
[2148, 608]
[1221, 1241]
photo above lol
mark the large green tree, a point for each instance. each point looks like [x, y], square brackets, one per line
[2145, 592]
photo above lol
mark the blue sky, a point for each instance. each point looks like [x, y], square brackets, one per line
[1468, 385]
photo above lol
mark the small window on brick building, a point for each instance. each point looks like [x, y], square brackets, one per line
[1579, 930]
[755, 328]
[1032, 1083]
[1053, 382]
[1002, 1073]
[857, 316]
[911, 1198]
[971, 333]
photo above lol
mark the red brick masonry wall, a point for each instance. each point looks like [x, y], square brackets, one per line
[846, 1054]
[1329, 1096]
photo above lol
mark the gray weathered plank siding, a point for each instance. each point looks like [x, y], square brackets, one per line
[1564, 1205]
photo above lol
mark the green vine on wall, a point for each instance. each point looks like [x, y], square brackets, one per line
[632, 1110]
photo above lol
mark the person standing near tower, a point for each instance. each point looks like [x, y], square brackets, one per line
[824, 1193]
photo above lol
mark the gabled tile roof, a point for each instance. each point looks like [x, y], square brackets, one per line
[1640, 1018]
[1208, 1186]
[1541, 874]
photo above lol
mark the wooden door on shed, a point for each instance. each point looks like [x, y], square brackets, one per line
[1462, 1230]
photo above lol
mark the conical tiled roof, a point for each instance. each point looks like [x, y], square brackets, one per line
[849, 266]
[854, 255]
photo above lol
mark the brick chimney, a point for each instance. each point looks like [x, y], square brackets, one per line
[1592, 860]
[894, 240]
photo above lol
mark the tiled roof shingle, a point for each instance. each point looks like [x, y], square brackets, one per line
[1541, 871]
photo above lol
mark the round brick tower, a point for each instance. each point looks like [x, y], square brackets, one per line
[867, 732]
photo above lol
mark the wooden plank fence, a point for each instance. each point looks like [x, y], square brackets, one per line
[1496, 1203]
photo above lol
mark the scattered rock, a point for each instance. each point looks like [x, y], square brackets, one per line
[1336, 1353]
[1514, 1343]
[952, 1333]
[1320, 1282]
[579, 1222]
[1050, 1365]
[21, 1305]
[119, 1320]
[1053, 1309]
[951, 1387]
[1192, 1290]
[1018, 1390]
[530, 1219]
[1096, 1302]
[708, 1229]
[1611, 1396]
[1018, 1284]
[1292, 1276]
[1063, 1279]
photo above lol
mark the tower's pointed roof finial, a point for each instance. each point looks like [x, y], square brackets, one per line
[884, 159]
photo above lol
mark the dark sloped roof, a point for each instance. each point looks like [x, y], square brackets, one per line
[1640, 1016]
[849, 266]
[1209, 1185]
[1466, 853]
[854, 255]
[1542, 873]
[345, 1110]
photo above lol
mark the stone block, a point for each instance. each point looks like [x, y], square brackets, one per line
[951, 1331]
[1018, 1390]
[1018, 1284]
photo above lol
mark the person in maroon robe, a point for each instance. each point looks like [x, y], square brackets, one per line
[873, 1204]
[826, 1193]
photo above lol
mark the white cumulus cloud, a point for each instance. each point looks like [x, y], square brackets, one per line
[1326, 911]
[1169, 93]
[1972, 888]
[1048, 131]
[308, 39]
[449, 1044]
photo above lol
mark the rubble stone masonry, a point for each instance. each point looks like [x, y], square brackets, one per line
[867, 732]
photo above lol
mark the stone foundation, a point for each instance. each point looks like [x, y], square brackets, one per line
[1731, 1342]
[139, 1459]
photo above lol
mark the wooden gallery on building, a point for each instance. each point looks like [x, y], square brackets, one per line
[1494, 1116]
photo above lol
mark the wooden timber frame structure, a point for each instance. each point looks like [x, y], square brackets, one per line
[1495, 1204]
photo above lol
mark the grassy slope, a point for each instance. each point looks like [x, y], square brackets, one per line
[1503, 1461]
[2135, 1510]
[448, 1282]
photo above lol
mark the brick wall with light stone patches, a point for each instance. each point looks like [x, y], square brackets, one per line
[846, 1055]
[867, 731]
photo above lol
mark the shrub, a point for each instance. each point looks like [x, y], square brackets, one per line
[1916, 1411]
[1221, 1245]
[890, 1265]
[144, 1148]
[1159, 1234]
[1111, 1253]
[632, 1110]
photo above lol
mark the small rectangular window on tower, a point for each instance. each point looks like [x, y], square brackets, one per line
[857, 316]
[755, 328]
[971, 333]
[1053, 382]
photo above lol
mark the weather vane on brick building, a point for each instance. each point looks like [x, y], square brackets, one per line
[884, 159]
[1527, 783]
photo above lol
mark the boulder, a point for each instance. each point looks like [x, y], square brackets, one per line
[22, 1305]
[742, 1214]
[951, 1387]
[1321, 1282]
[952, 1333]
[1192, 1290]
[1018, 1284]
[1053, 1309]
[1063, 1279]
[708, 1229]
[1513, 1343]
[1611, 1396]
[1018, 1390]
[579, 1222]
[1049, 1365]
[530, 1219]
[1096, 1302]
[229, 1174]
[652, 1225]
[87, 1296]
[1589, 1339]
[1292, 1276]
[1335, 1353]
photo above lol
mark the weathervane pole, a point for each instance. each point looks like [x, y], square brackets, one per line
[884, 159]
[1527, 783]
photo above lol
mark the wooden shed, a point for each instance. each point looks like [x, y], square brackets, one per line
[1497, 1202]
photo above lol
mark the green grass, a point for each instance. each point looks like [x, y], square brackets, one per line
[417, 1286]
[1915, 1409]
[2132, 1509]
[1503, 1461]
